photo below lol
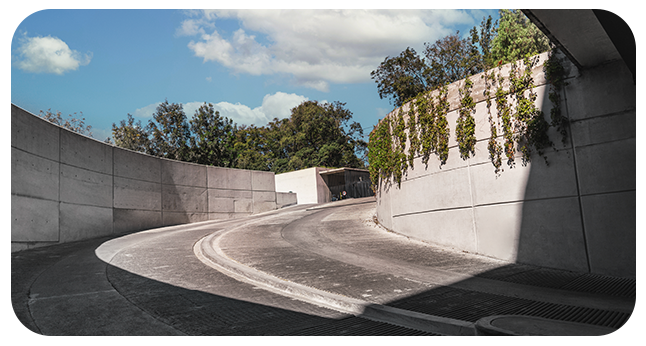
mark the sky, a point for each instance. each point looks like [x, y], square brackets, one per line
[252, 65]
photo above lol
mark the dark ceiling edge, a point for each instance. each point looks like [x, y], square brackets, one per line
[621, 36]
[552, 38]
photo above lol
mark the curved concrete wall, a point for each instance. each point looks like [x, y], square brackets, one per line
[67, 187]
[578, 213]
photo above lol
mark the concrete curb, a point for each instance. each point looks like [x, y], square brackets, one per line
[521, 325]
[208, 251]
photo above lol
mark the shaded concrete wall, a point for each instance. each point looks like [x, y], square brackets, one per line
[306, 183]
[67, 187]
[578, 213]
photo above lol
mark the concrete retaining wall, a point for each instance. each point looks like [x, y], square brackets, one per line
[578, 213]
[67, 187]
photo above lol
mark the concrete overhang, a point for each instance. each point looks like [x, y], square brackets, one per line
[588, 37]
[341, 170]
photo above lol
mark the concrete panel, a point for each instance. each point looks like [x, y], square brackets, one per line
[238, 194]
[79, 222]
[183, 173]
[498, 230]
[221, 216]
[85, 152]
[129, 220]
[419, 169]
[264, 196]
[438, 191]
[604, 90]
[33, 175]
[607, 167]
[184, 198]
[177, 218]
[81, 186]
[539, 232]
[33, 219]
[604, 129]
[610, 225]
[34, 135]
[262, 181]
[451, 228]
[133, 165]
[284, 199]
[384, 214]
[263, 206]
[136, 194]
[243, 206]
[534, 181]
[229, 178]
[552, 234]
[221, 205]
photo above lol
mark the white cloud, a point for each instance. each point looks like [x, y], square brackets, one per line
[318, 47]
[146, 112]
[49, 55]
[276, 105]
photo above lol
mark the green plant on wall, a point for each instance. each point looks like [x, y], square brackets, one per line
[380, 153]
[555, 74]
[495, 149]
[399, 136]
[466, 125]
[426, 133]
[504, 114]
[530, 125]
[413, 135]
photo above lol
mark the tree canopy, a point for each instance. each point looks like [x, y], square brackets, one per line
[315, 134]
[456, 57]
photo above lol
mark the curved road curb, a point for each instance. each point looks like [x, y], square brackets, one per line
[208, 251]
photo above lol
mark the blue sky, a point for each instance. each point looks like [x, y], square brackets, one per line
[253, 65]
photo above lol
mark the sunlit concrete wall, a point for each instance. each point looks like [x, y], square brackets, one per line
[67, 187]
[306, 183]
[577, 213]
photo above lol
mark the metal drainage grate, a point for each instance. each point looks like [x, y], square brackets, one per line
[592, 283]
[355, 326]
[534, 277]
[472, 306]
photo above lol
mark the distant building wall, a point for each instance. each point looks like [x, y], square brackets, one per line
[578, 213]
[67, 187]
[306, 183]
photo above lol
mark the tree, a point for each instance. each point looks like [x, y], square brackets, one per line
[170, 132]
[71, 123]
[517, 37]
[401, 77]
[481, 43]
[453, 57]
[131, 135]
[449, 59]
[212, 138]
[318, 135]
[249, 148]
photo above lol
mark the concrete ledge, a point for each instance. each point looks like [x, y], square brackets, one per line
[520, 325]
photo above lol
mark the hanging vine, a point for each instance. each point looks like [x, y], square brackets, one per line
[426, 132]
[399, 136]
[504, 114]
[530, 125]
[441, 129]
[413, 135]
[495, 149]
[380, 153]
[555, 74]
[466, 124]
